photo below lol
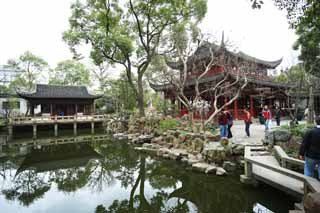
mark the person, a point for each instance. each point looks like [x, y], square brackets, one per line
[306, 114]
[230, 123]
[247, 121]
[223, 121]
[267, 117]
[278, 115]
[310, 150]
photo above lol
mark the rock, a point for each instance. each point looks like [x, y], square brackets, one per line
[211, 169]
[162, 151]
[212, 137]
[220, 171]
[281, 135]
[277, 136]
[215, 152]
[237, 149]
[193, 161]
[147, 150]
[224, 141]
[157, 140]
[229, 166]
[151, 146]
[197, 145]
[201, 167]
[311, 203]
[184, 160]
[174, 155]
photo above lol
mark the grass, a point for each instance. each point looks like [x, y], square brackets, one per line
[168, 124]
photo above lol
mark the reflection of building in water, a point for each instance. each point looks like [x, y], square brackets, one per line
[54, 157]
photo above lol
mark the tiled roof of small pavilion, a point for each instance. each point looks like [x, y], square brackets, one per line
[204, 52]
[57, 91]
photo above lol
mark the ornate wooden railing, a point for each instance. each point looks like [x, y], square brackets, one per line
[56, 119]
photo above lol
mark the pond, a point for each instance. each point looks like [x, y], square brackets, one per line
[109, 176]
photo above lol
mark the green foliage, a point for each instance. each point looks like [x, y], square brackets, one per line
[129, 33]
[168, 124]
[31, 66]
[70, 72]
[300, 130]
[308, 30]
[295, 75]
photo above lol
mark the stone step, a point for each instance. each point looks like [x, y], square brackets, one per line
[298, 206]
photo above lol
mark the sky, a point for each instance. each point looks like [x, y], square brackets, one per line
[37, 26]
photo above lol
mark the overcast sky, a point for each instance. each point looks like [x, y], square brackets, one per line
[37, 26]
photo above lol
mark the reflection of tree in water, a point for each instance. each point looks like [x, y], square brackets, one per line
[27, 187]
[139, 203]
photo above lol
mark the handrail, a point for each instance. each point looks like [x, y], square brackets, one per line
[310, 184]
[56, 118]
[284, 158]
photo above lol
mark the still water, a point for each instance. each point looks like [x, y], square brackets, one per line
[109, 176]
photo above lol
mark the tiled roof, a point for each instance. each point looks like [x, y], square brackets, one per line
[57, 91]
[203, 52]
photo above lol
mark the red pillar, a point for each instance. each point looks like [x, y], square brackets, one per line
[251, 106]
[235, 109]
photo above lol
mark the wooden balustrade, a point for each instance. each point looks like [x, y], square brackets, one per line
[310, 184]
[53, 119]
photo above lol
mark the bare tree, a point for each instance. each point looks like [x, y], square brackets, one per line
[192, 68]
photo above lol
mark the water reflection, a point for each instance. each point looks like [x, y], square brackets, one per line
[111, 177]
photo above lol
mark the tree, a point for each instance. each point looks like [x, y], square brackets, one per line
[31, 67]
[70, 72]
[192, 67]
[128, 33]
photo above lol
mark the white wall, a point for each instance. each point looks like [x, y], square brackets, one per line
[19, 111]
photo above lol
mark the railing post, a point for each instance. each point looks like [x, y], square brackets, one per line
[248, 178]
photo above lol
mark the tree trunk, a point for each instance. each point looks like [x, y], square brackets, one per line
[140, 97]
[311, 105]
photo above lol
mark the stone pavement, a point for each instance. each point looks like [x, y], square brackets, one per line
[256, 131]
[239, 134]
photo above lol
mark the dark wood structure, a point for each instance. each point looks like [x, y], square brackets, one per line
[60, 100]
[261, 89]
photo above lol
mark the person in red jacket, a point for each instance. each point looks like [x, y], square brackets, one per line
[247, 121]
[267, 117]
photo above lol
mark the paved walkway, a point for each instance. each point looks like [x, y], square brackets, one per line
[239, 134]
[256, 131]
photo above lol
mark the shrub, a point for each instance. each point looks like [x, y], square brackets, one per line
[299, 130]
[168, 124]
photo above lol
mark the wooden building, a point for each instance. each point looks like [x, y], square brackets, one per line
[60, 100]
[260, 90]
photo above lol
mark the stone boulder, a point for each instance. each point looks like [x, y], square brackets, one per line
[215, 152]
[197, 145]
[229, 166]
[311, 203]
[211, 169]
[201, 167]
[281, 135]
[277, 136]
[220, 171]
[237, 149]
[211, 137]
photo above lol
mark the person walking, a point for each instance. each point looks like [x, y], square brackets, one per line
[278, 115]
[230, 123]
[267, 117]
[223, 123]
[247, 121]
[310, 150]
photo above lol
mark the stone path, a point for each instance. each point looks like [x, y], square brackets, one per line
[256, 131]
[239, 134]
